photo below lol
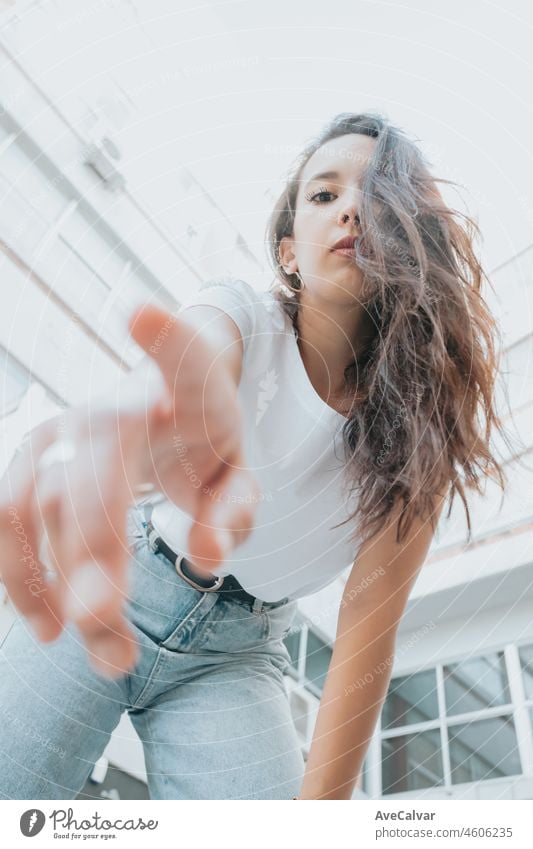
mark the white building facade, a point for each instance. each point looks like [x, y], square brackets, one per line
[82, 241]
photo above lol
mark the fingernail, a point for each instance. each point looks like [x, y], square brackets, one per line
[89, 589]
[225, 542]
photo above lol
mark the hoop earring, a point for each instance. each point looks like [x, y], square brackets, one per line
[295, 290]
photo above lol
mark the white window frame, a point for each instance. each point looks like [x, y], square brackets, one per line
[518, 709]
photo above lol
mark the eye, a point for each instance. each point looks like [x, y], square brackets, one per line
[310, 196]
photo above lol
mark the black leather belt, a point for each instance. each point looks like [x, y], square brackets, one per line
[226, 584]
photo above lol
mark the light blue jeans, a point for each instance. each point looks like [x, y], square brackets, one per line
[206, 697]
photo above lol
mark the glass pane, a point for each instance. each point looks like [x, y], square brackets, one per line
[484, 749]
[476, 684]
[317, 660]
[526, 659]
[364, 778]
[411, 762]
[411, 699]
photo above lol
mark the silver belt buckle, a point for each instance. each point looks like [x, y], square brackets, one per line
[219, 580]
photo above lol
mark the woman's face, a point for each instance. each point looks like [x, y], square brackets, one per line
[327, 208]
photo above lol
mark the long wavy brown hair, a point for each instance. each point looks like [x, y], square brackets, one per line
[422, 391]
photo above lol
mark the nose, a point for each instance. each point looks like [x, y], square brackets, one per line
[349, 213]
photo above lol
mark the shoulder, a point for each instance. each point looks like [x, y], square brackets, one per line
[262, 308]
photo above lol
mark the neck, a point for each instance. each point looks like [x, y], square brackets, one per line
[330, 337]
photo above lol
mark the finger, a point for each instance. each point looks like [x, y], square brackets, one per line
[172, 345]
[225, 516]
[161, 335]
[27, 581]
[95, 555]
[46, 510]
[23, 573]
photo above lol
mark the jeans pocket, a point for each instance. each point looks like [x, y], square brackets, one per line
[281, 619]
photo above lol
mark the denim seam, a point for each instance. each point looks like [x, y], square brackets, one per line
[148, 687]
[183, 622]
[268, 626]
[150, 741]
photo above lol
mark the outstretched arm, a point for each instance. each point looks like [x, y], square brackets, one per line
[77, 475]
[372, 606]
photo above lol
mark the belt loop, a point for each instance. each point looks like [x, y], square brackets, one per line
[257, 606]
[152, 536]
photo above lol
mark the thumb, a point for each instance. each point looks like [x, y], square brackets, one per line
[162, 335]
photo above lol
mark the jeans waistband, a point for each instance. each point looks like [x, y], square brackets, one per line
[226, 585]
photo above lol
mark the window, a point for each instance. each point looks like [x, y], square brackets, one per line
[526, 660]
[485, 749]
[411, 762]
[476, 684]
[318, 657]
[464, 709]
[292, 641]
[310, 656]
[411, 699]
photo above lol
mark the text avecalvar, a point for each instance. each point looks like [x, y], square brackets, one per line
[405, 815]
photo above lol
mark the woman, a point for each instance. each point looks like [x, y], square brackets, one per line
[293, 432]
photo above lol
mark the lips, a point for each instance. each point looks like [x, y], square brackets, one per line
[347, 243]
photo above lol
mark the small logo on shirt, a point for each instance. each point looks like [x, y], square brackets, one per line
[268, 388]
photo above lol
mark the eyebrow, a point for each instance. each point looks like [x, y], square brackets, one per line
[324, 175]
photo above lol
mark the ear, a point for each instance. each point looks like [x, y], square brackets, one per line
[286, 255]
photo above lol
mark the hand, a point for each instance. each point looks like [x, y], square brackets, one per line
[78, 491]
[194, 442]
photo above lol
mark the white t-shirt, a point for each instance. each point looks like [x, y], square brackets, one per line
[293, 446]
